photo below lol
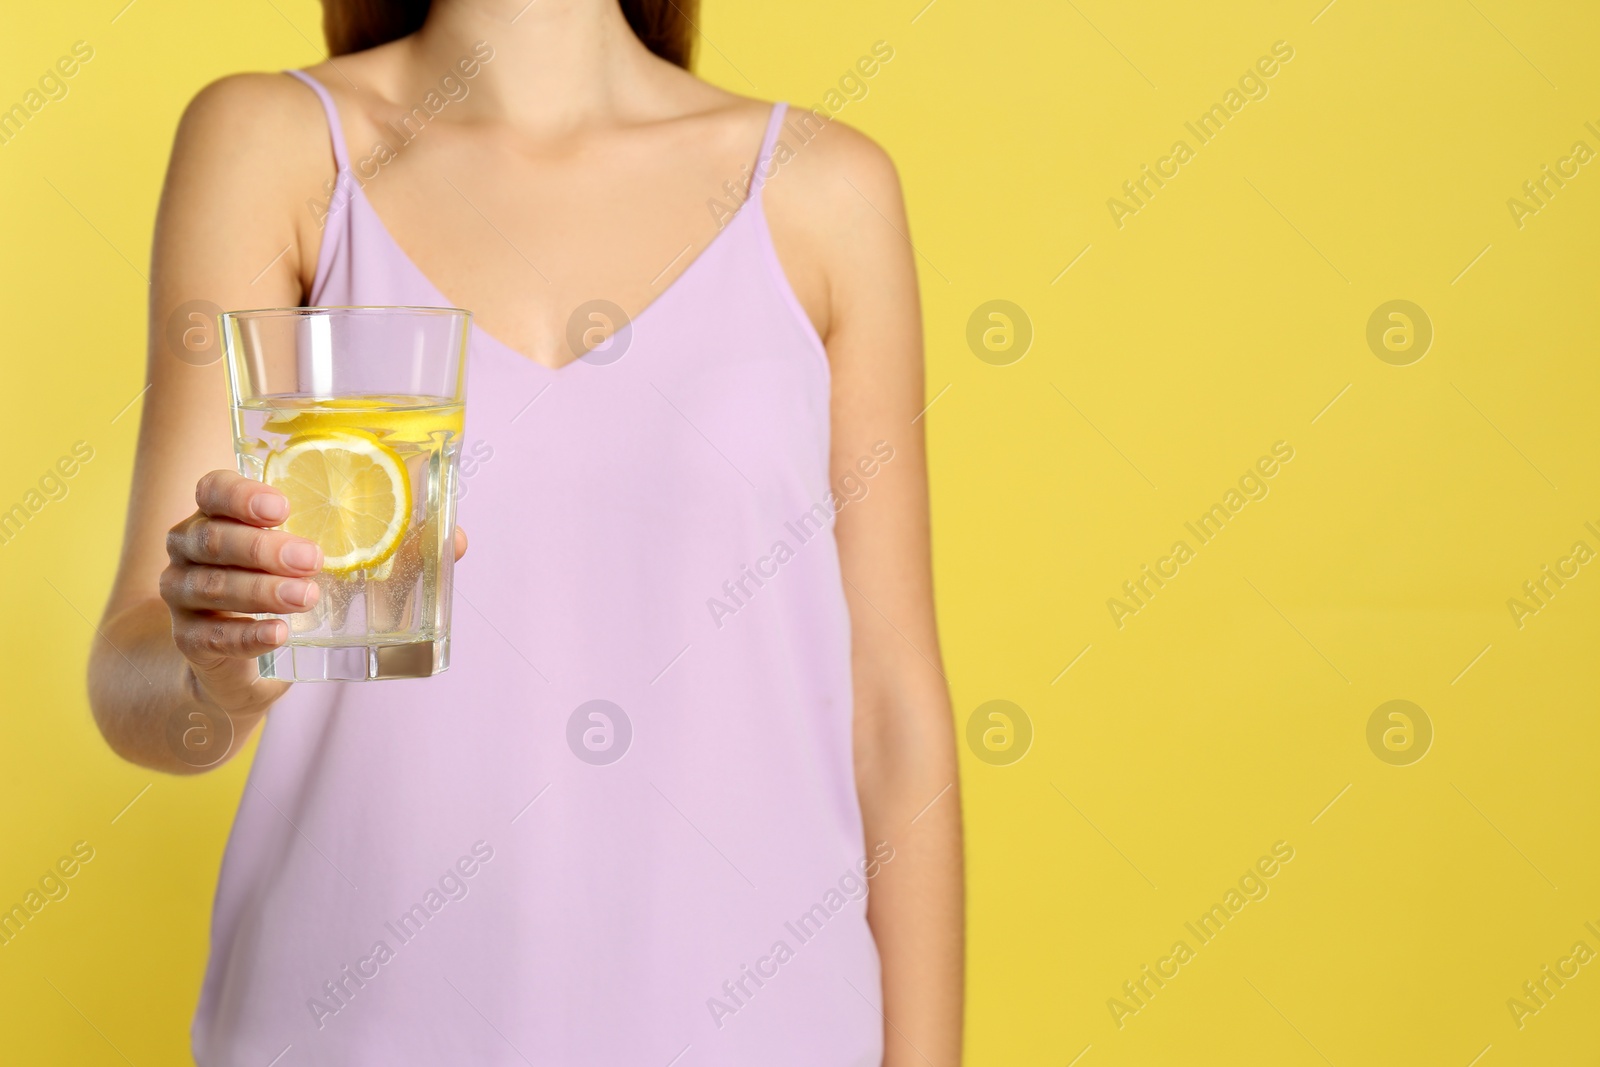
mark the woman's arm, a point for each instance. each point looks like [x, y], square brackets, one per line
[904, 737]
[172, 654]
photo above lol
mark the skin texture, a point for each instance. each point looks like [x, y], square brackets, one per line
[595, 161]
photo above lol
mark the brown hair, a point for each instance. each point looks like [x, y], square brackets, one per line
[665, 26]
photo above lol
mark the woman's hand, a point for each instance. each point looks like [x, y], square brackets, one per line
[226, 564]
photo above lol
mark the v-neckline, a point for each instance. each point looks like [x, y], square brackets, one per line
[445, 299]
[753, 196]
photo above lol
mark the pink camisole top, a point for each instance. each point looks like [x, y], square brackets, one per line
[622, 828]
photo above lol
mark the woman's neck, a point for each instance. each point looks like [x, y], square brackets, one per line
[558, 64]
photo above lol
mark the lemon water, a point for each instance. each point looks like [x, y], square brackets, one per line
[371, 479]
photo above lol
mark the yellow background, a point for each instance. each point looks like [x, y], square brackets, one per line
[1224, 316]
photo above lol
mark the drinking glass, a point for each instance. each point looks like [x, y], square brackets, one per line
[355, 414]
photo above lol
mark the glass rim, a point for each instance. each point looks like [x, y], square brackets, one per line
[413, 309]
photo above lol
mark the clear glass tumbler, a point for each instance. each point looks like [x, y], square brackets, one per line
[355, 414]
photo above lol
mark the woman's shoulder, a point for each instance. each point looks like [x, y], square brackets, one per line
[251, 151]
[257, 129]
[833, 205]
[824, 149]
[247, 102]
[813, 149]
[834, 176]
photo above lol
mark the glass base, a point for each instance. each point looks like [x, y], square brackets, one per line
[356, 663]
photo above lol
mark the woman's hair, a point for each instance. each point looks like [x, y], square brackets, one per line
[665, 26]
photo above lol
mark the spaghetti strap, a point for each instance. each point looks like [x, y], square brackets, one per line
[342, 192]
[335, 131]
[769, 142]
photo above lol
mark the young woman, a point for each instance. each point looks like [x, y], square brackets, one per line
[723, 532]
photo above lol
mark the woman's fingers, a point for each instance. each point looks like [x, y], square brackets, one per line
[230, 543]
[226, 565]
[226, 494]
[201, 588]
[461, 542]
[209, 641]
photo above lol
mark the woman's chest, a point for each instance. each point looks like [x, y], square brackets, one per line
[535, 243]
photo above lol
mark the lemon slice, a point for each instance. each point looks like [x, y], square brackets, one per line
[348, 492]
[397, 418]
